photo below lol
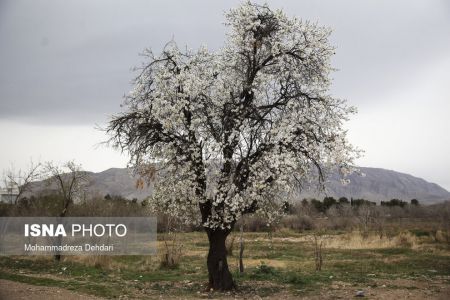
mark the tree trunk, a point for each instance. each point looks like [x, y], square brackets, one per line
[241, 250]
[59, 240]
[57, 256]
[219, 275]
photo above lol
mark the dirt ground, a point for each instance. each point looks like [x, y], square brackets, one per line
[11, 290]
[393, 289]
[389, 289]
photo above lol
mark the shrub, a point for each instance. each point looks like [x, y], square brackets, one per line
[263, 271]
[406, 239]
[298, 222]
[171, 255]
[255, 224]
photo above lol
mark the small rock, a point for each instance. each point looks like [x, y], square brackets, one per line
[359, 294]
[383, 285]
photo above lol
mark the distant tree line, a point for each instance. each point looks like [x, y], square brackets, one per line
[328, 202]
[51, 205]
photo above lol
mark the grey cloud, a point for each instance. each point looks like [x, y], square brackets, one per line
[69, 61]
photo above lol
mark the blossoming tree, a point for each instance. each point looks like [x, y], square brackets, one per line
[231, 131]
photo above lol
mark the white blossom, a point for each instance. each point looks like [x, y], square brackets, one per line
[234, 131]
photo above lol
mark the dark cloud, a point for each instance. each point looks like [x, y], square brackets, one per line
[69, 61]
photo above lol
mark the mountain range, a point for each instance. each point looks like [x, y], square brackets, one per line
[375, 185]
[378, 184]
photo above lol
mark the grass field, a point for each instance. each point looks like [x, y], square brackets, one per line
[411, 265]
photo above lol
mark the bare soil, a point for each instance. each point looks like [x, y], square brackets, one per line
[388, 289]
[11, 290]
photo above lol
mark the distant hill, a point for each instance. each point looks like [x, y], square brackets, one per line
[114, 181]
[380, 185]
[119, 182]
[377, 185]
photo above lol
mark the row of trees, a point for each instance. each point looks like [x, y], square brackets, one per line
[328, 202]
[51, 205]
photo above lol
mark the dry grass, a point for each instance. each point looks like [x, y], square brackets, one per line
[358, 240]
[269, 262]
[110, 263]
[443, 236]
[97, 261]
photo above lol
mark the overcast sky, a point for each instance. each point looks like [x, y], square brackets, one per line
[65, 65]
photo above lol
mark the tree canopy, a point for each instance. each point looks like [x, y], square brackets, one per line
[231, 131]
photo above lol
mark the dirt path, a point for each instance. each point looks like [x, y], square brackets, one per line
[11, 290]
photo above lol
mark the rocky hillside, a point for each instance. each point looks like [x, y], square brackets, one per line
[381, 184]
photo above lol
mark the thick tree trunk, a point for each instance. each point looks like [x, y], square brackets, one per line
[219, 275]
